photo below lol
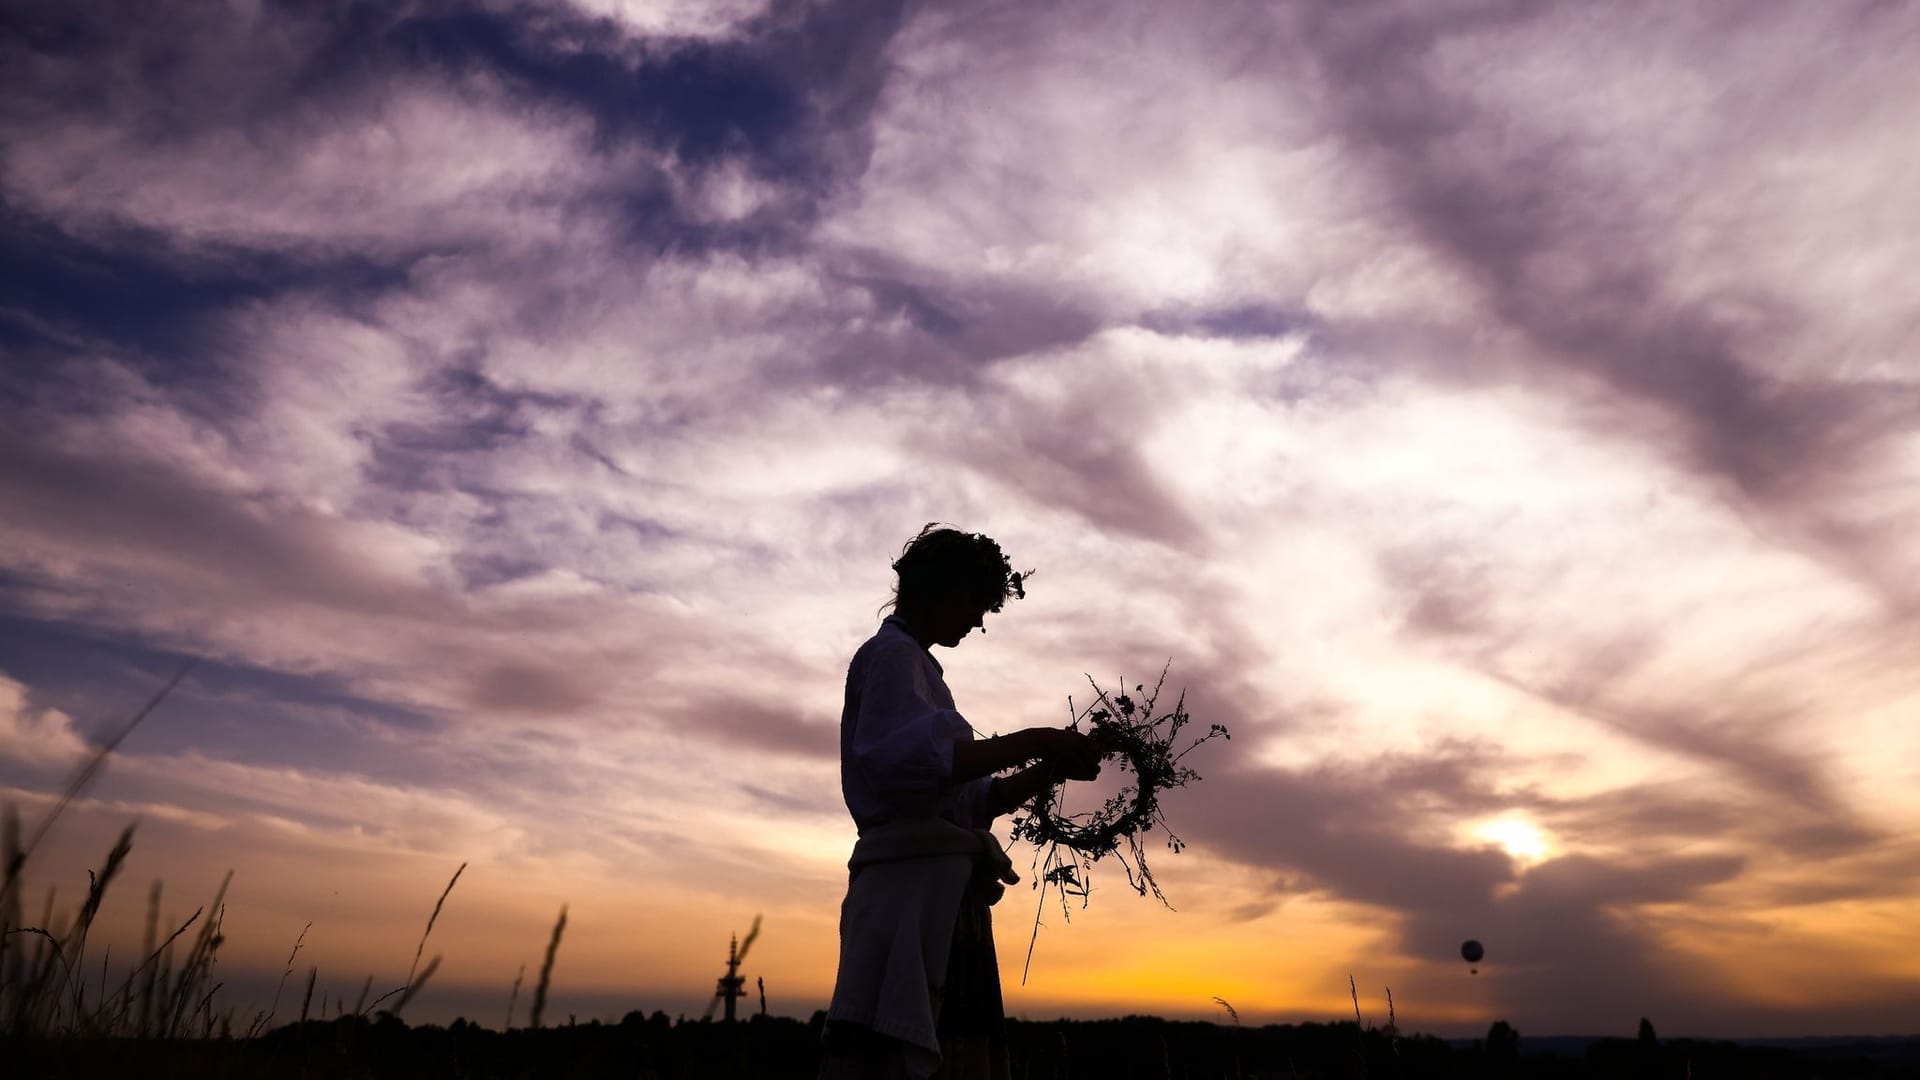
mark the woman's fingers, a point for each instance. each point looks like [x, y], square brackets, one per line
[1083, 763]
[1076, 754]
[1085, 769]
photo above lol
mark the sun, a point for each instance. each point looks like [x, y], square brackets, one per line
[1519, 838]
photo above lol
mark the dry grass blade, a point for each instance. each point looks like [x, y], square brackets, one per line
[28, 974]
[546, 969]
[206, 1006]
[155, 975]
[200, 959]
[198, 967]
[10, 895]
[312, 974]
[44, 991]
[1359, 1030]
[385, 996]
[418, 949]
[413, 988]
[90, 769]
[27, 1008]
[274, 1009]
[96, 891]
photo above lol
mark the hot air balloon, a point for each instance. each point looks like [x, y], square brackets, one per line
[1471, 952]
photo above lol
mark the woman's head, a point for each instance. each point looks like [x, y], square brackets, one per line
[949, 580]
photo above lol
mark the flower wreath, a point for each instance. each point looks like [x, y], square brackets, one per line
[1068, 844]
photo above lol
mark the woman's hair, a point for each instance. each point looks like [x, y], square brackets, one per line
[946, 558]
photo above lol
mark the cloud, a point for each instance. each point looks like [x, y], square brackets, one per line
[766, 727]
[35, 737]
[126, 513]
[1578, 931]
[1568, 254]
[1491, 414]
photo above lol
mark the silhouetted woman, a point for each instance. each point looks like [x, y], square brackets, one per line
[918, 989]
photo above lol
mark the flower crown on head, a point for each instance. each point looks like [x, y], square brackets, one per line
[946, 552]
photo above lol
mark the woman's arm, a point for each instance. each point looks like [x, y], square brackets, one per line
[1063, 754]
[1076, 754]
[1009, 793]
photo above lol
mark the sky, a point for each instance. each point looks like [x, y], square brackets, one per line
[1502, 416]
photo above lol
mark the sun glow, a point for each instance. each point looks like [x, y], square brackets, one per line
[1517, 837]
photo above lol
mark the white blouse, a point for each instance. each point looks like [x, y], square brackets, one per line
[897, 732]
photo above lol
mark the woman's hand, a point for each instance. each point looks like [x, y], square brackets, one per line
[1066, 754]
[1074, 755]
[1062, 755]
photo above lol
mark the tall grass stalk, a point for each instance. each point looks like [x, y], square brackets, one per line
[10, 960]
[198, 966]
[430, 921]
[313, 973]
[42, 987]
[172, 991]
[274, 1008]
[1393, 1024]
[414, 986]
[90, 768]
[513, 998]
[546, 969]
[1359, 1031]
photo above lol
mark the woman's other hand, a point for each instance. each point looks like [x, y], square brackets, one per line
[1075, 755]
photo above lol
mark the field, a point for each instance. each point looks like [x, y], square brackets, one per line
[164, 1017]
[776, 1048]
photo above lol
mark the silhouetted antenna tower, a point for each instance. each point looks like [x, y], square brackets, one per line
[733, 984]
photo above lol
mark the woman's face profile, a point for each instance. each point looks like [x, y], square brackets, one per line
[952, 615]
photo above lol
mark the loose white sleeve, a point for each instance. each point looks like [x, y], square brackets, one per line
[902, 742]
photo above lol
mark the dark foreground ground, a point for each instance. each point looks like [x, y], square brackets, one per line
[773, 1048]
